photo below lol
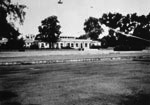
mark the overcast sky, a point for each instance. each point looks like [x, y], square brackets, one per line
[72, 13]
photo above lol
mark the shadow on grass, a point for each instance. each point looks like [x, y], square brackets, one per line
[7, 95]
[12, 103]
[16, 103]
[136, 99]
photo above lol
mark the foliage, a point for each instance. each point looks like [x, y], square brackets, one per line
[85, 36]
[130, 24]
[111, 41]
[49, 30]
[111, 20]
[13, 12]
[13, 44]
[92, 28]
[140, 98]
[34, 46]
[104, 43]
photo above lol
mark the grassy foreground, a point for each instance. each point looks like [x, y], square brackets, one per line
[120, 82]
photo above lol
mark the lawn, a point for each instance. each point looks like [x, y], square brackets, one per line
[119, 82]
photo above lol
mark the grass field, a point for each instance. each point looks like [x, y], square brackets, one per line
[119, 82]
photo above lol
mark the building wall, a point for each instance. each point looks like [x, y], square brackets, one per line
[74, 44]
[29, 42]
[70, 42]
[43, 45]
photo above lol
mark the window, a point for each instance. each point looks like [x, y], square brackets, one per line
[42, 45]
[90, 45]
[72, 45]
[85, 44]
[68, 44]
[57, 45]
[76, 44]
[61, 44]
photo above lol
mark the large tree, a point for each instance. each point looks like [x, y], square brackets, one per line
[10, 11]
[92, 28]
[111, 19]
[130, 24]
[49, 30]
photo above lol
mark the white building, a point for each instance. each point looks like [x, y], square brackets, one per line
[64, 42]
[75, 43]
[29, 42]
[43, 45]
[70, 42]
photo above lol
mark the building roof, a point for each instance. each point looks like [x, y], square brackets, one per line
[75, 40]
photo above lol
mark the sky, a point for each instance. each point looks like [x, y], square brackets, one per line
[73, 13]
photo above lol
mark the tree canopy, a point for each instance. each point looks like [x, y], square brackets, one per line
[11, 11]
[138, 26]
[49, 30]
[92, 28]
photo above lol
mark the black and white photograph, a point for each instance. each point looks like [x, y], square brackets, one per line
[74, 52]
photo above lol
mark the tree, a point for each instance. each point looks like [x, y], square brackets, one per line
[49, 30]
[92, 28]
[114, 20]
[130, 24]
[17, 44]
[141, 29]
[13, 12]
[111, 19]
